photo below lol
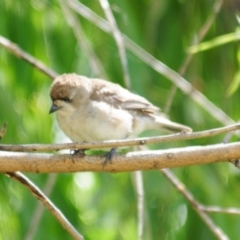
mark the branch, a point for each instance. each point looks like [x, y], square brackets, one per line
[216, 209]
[36, 192]
[3, 130]
[39, 210]
[83, 43]
[119, 143]
[200, 35]
[195, 204]
[138, 186]
[118, 39]
[18, 52]
[132, 161]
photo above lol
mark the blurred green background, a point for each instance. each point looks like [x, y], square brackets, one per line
[103, 205]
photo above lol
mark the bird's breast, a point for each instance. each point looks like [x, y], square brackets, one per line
[96, 121]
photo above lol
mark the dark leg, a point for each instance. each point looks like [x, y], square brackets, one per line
[79, 152]
[109, 156]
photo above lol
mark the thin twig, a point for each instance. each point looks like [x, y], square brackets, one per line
[38, 212]
[217, 231]
[118, 143]
[119, 40]
[201, 33]
[229, 135]
[138, 180]
[206, 26]
[121, 50]
[132, 161]
[82, 40]
[216, 209]
[181, 82]
[157, 65]
[18, 52]
[3, 130]
[36, 192]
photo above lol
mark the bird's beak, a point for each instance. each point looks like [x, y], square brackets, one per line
[54, 108]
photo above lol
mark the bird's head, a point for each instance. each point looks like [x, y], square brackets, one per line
[68, 91]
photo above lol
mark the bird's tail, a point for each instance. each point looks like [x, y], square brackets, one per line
[167, 124]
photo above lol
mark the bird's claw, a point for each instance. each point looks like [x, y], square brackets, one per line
[109, 156]
[79, 152]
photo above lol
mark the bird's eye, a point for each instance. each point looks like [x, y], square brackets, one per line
[67, 100]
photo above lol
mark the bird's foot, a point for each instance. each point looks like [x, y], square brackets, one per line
[109, 156]
[79, 152]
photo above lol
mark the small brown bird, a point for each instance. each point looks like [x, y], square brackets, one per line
[90, 110]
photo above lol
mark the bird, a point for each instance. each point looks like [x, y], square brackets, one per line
[92, 109]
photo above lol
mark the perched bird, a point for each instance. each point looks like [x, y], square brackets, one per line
[90, 110]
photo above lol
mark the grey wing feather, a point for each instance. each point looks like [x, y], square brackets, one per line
[121, 98]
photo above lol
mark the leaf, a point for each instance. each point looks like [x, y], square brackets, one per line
[215, 42]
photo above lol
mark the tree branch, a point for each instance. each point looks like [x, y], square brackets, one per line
[138, 186]
[36, 217]
[82, 40]
[200, 35]
[117, 35]
[217, 231]
[18, 52]
[217, 209]
[118, 143]
[36, 192]
[132, 161]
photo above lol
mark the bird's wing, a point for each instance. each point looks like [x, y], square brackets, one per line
[119, 97]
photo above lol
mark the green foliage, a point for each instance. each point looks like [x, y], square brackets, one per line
[103, 205]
